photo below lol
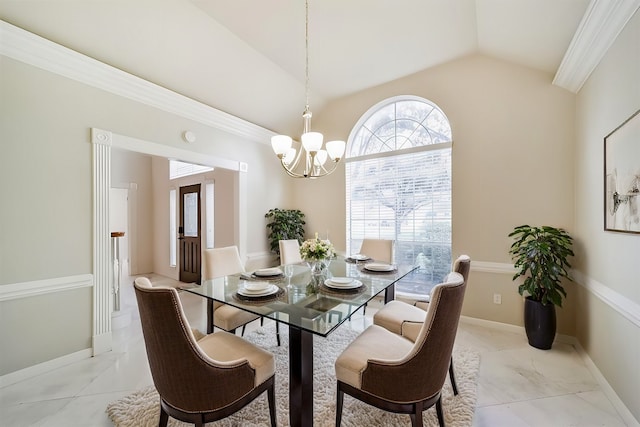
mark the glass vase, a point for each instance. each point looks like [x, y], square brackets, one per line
[319, 267]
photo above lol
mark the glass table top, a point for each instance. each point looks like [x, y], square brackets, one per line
[317, 304]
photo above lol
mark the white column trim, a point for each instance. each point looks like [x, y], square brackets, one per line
[46, 286]
[34, 50]
[102, 267]
[599, 28]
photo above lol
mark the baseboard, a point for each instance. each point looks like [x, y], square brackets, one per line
[493, 324]
[617, 403]
[623, 411]
[44, 367]
[102, 343]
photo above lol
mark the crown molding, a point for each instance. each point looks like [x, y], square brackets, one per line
[39, 52]
[601, 24]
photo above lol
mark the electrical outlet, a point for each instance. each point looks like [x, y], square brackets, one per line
[497, 298]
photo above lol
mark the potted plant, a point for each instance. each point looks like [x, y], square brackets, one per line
[540, 256]
[284, 224]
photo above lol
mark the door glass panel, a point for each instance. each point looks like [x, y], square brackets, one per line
[191, 215]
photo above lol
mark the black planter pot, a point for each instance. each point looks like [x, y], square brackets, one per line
[539, 323]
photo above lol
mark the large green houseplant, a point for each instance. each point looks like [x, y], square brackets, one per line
[540, 256]
[284, 224]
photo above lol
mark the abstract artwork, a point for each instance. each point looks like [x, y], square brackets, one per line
[622, 177]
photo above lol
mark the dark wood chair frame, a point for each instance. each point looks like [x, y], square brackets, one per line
[414, 409]
[201, 418]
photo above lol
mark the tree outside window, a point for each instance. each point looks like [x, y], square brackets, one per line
[399, 183]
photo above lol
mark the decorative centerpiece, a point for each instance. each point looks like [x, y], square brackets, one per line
[317, 253]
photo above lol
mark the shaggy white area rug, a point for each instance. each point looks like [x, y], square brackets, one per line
[142, 408]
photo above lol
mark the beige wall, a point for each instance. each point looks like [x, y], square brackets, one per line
[133, 171]
[45, 123]
[608, 260]
[513, 138]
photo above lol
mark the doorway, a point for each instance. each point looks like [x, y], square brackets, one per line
[189, 234]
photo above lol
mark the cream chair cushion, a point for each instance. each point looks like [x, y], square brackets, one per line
[224, 347]
[396, 313]
[374, 343]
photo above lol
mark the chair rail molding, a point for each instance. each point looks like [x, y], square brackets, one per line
[618, 302]
[621, 304]
[39, 52]
[46, 286]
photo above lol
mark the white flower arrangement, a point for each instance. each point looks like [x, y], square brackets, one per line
[316, 249]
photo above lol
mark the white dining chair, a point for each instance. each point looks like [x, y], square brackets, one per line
[378, 249]
[289, 252]
[220, 262]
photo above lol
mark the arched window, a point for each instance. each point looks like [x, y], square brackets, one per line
[398, 182]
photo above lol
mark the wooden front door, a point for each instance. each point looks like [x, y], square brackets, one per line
[189, 234]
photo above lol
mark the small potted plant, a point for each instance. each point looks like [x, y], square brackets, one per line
[540, 256]
[284, 224]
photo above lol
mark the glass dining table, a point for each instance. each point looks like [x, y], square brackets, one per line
[309, 305]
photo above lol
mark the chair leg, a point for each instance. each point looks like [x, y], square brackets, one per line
[243, 328]
[453, 378]
[271, 396]
[439, 411]
[416, 416]
[164, 418]
[262, 321]
[339, 401]
[278, 332]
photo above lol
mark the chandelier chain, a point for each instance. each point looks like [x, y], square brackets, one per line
[306, 49]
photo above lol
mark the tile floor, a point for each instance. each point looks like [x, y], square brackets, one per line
[518, 385]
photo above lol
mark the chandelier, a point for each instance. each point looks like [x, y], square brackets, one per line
[313, 163]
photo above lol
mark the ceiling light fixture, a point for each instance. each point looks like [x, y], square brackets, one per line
[312, 163]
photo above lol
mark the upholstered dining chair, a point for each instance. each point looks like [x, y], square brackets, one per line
[405, 319]
[393, 373]
[199, 381]
[223, 262]
[289, 251]
[378, 249]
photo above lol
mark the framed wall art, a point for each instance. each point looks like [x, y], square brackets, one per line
[622, 177]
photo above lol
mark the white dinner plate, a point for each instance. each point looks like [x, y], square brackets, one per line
[266, 272]
[359, 257]
[272, 289]
[256, 286]
[351, 285]
[341, 280]
[377, 266]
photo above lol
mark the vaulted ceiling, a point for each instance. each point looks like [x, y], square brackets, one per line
[247, 57]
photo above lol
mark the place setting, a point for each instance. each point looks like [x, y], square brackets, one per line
[256, 291]
[357, 258]
[379, 268]
[273, 273]
[342, 285]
